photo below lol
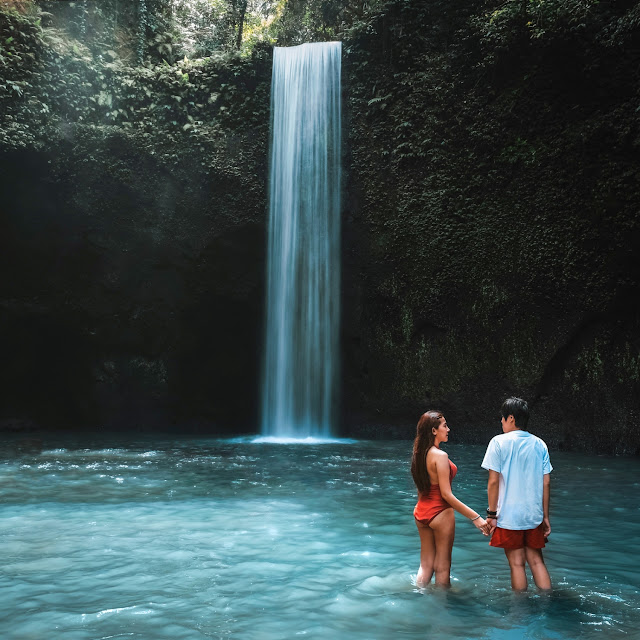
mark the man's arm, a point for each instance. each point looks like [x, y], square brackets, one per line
[493, 488]
[546, 493]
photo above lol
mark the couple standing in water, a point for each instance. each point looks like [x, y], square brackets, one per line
[518, 497]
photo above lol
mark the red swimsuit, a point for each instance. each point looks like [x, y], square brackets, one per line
[431, 504]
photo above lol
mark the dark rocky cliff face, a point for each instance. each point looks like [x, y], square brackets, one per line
[491, 232]
[132, 236]
[493, 228]
[133, 288]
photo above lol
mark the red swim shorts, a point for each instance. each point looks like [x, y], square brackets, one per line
[510, 539]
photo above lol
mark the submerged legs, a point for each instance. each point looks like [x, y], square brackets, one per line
[533, 557]
[436, 543]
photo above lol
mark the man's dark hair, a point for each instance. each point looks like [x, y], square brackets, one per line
[519, 409]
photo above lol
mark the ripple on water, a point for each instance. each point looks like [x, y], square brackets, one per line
[200, 538]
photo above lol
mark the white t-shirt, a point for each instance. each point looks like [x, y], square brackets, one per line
[522, 460]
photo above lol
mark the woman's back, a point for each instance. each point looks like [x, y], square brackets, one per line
[432, 469]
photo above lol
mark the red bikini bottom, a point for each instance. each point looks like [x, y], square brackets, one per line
[430, 505]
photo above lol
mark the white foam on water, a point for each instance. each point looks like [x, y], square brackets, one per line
[309, 440]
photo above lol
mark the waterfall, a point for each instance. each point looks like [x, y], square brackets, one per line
[301, 365]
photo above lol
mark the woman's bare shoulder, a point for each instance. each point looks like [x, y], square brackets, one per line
[437, 454]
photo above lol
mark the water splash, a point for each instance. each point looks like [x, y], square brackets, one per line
[307, 440]
[303, 282]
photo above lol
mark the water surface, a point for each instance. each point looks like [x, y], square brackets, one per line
[221, 539]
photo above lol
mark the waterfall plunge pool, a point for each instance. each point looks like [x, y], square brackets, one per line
[201, 538]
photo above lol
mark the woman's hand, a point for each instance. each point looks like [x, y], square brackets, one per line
[482, 524]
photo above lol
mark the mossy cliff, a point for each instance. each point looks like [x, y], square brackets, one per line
[132, 236]
[491, 224]
[493, 219]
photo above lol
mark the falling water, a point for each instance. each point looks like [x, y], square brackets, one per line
[142, 29]
[303, 280]
[83, 21]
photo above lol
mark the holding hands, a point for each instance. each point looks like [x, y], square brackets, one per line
[483, 525]
[492, 517]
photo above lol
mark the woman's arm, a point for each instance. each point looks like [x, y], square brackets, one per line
[443, 469]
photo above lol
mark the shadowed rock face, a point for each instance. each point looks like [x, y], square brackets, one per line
[133, 292]
[492, 232]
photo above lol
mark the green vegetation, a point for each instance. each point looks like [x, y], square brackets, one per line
[49, 77]
[495, 186]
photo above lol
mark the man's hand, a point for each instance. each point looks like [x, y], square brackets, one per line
[493, 523]
[547, 527]
[482, 524]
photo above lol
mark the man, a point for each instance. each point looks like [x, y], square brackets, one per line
[518, 491]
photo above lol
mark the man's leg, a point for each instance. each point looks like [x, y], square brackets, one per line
[538, 568]
[516, 558]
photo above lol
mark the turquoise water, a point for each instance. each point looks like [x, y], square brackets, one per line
[220, 539]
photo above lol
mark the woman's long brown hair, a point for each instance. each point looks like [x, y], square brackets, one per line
[423, 442]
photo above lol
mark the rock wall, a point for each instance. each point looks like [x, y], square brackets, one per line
[492, 225]
[132, 231]
[134, 288]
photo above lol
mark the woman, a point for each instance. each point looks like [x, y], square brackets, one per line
[433, 472]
